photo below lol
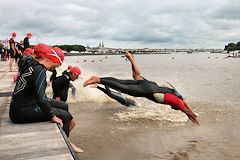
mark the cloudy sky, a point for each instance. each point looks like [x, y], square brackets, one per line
[124, 23]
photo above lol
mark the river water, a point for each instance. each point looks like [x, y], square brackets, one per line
[106, 130]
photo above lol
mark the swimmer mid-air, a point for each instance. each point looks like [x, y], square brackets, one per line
[141, 87]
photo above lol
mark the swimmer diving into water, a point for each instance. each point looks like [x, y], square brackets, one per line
[141, 87]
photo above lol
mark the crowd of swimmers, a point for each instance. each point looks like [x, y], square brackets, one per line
[13, 50]
[30, 103]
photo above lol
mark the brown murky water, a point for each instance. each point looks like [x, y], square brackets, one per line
[106, 130]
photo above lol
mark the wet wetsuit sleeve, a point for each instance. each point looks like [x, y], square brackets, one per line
[73, 88]
[102, 89]
[26, 42]
[54, 75]
[40, 84]
[115, 95]
[110, 93]
[58, 83]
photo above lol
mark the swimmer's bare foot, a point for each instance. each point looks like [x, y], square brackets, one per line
[92, 80]
[76, 149]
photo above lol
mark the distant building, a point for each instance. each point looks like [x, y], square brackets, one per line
[101, 49]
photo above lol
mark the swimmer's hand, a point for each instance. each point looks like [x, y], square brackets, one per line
[55, 119]
[128, 55]
[191, 116]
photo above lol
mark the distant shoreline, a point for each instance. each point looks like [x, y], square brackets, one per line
[96, 54]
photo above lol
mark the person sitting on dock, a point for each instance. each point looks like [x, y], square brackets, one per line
[29, 101]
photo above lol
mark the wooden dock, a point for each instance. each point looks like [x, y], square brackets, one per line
[35, 141]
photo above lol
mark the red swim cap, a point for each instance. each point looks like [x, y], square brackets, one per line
[59, 53]
[41, 50]
[75, 70]
[56, 55]
[29, 34]
[69, 67]
[28, 52]
[14, 34]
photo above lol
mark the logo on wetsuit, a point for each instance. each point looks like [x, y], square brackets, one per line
[21, 83]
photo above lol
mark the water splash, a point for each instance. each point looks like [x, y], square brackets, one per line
[148, 111]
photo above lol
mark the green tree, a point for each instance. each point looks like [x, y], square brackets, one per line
[225, 48]
[231, 47]
[70, 48]
[238, 45]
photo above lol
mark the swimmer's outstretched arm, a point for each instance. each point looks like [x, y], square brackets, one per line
[135, 68]
[73, 89]
[188, 107]
[191, 115]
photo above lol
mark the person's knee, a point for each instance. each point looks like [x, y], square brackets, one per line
[73, 123]
[68, 117]
[65, 106]
[65, 116]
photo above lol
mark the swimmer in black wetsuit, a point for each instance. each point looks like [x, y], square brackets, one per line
[20, 48]
[26, 41]
[117, 96]
[140, 87]
[61, 84]
[54, 73]
[13, 50]
[29, 102]
[54, 76]
[73, 88]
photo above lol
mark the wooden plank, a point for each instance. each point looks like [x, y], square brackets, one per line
[44, 154]
[30, 141]
[11, 128]
[24, 145]
[58, 157]
[37, 135]
[36, 141]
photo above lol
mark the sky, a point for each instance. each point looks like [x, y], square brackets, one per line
[124, 23]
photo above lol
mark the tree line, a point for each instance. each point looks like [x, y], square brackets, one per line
[70, 48]
[232, 46]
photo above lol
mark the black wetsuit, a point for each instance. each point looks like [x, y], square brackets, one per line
[117, 96]
[26, 43]
[11, 50]
[60, 86]
[70, 84]
[65, 72]
[25, 62]
[137, 88]
[54, 75]
[21, 49]
[29, 102]
[2, 51]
